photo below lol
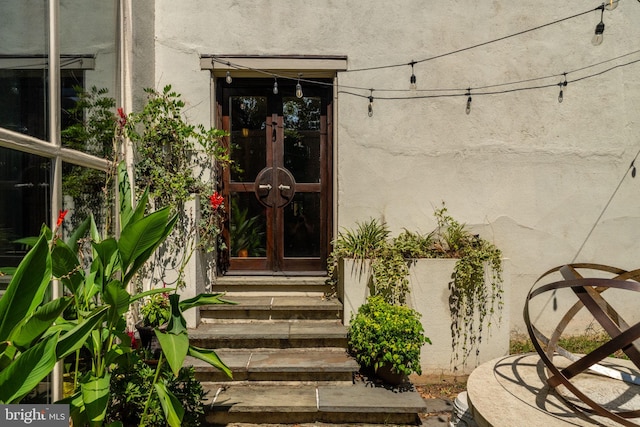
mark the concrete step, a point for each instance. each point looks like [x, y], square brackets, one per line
[268, 404]
[270, 334]
[272, 285]
[267, 307]
[280, 366]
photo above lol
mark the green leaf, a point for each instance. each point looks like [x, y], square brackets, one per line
[137, 237]
[177, 323]
[173, 410]
[174, 347]
[64, 264]
[35, 326]
[27, 370]
[203, 299]
[76, 337]
[124, 192]
[95, 394]
[118, 300]
[141, 295]
[106, 252]
[211, 358]
[26, 289]
[76, 408]
[145, 255]
[78, 234]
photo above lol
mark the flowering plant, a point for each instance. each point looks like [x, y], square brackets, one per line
[156, 310]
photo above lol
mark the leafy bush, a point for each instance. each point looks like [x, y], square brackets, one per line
[156, 310]
[131, 386]
[381, 334]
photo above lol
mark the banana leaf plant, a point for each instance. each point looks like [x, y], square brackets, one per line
[36, 333]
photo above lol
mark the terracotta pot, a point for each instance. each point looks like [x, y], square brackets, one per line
[243, 253]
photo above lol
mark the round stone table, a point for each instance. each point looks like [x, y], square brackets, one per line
[512, 391]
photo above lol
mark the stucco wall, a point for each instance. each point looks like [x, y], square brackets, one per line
[529, 173]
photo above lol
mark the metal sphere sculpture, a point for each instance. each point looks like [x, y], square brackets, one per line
[589, 292]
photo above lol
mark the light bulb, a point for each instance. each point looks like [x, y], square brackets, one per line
[412, 79]
[275, 87]
[611, 4]
[370, 110]
[560, 96]
[468, 110]
[299, 87]
[597, 36]
[228, 78]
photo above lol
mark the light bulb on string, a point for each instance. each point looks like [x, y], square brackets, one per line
[412, 79]
[299, 87]
[228, 79]
[598, 33]
[370, 108]
[563, 87]
[468, 109]
[611, 4]
[275, 86]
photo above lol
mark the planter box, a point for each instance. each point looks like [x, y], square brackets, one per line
[429, 295]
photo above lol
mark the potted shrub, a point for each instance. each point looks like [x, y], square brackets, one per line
[387, 339]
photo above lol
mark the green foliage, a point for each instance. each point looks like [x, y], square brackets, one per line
[156, 310]
[476, 285]
[92, 132]
[382, 334]
[246, 232]
[132, 383]
[175, 160]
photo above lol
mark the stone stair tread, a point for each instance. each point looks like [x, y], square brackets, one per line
[272, 329]
[281, 360]
[281, 302]
[356, 398]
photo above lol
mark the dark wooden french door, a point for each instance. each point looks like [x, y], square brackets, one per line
[279, 186]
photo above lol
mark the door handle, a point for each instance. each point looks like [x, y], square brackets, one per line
[284, 187]
[267, 187]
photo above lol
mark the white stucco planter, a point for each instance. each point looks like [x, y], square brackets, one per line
[429, 295]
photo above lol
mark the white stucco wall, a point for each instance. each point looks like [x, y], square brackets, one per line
[529, 173]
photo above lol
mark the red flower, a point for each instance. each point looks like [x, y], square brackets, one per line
[122, 120]
[132, 336]
[61, 216]
[216, 200]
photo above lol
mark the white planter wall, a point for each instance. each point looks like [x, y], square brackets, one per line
[429, 295]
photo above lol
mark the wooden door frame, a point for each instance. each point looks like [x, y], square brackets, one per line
[257, 265]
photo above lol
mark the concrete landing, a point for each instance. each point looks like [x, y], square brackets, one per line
[512, 391]
[307, 403]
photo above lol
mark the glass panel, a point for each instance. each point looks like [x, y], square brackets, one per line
[24, 196]
[248, 143]
[302, 226]
[84, 194]
[302, 138]
[247, 226]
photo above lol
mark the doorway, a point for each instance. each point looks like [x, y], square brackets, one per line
[279, 188]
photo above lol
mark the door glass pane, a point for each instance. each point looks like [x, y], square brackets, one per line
[248, 139]
[302, 226]
[247, 226]
[302, 138]
[24, 201]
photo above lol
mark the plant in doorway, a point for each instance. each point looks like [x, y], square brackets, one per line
[247, 235]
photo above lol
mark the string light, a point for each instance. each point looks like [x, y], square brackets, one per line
[275, 86]
[412, 79]
[370, 109]
[598, 34]
[611, 4]
[563, 86]
[299, 87]
[468, 110]
[228, 79]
